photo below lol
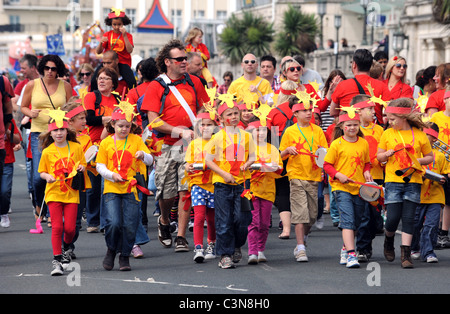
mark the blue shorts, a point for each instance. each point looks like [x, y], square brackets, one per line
[351, 208]
[398, 192]
[201, 197]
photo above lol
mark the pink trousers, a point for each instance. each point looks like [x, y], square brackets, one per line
[258, 230]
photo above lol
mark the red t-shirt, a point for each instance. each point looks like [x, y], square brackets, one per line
[400, 90]
[436, 100]
[137, 92]
[115, 42]
[20, 86]
[348, 89]
[173, 111]
[106, 108]
[10, 158]
[277, 119]
[8, 89]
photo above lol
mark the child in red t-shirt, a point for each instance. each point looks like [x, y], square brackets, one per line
[121, 42]
[194, 44]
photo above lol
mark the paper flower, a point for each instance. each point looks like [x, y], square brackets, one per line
[58, 116]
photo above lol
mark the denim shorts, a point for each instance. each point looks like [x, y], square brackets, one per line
[398, 192]
[200, 196]
[351, 208]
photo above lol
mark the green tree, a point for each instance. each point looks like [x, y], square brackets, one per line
[441, 11]
[249, 34]
[297, 33]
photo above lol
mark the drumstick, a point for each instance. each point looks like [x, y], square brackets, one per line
[309, 154]
[366, 184]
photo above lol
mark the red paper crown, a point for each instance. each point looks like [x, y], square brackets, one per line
[224, 107]
[345, 117]
[52, 126]
[398, 110]
[72, 113]
[301, 106]
[431, 132]
[116, 13]
[364, 104]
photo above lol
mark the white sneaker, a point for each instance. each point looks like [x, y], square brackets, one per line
[300, 255]
[253, 259]
[352, 262]
[319, 223]
[432, 259]
[415, 255]
[261, 257]
[344, 255]
[5, 223]
[57, 268]
[210, 252]
[198, 256]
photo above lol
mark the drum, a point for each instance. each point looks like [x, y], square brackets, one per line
[320, 156]
[91, 153]
[266, 167]
[368, 193]
[199, 166]
[433, 176]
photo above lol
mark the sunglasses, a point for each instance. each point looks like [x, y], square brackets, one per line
[249, 61]
[399, 65]
[86, 74]
[47, 68]
[292, 69]
[179, 59]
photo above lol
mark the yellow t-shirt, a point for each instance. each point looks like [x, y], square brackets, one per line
[444, 126]
[230, 152]
[348, 158]
[118, 156]
[196, 153]
[393, 139]
[303, 166]
[372, 134]
[262, 184]
[60, 162]
[432, 192]
[241, 86]
[40, 100]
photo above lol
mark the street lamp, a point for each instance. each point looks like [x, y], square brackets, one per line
[337, 25]
[364, 4]
[397, 41]
[321, 10]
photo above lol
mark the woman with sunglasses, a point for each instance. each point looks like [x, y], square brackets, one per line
[396, 77]
[84, 76]
[292, 70]
[42, 94]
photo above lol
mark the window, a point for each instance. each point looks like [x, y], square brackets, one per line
[131, 13]
[221, 15]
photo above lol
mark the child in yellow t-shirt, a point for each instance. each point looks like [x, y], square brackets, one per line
[77, 122]
[372, 221]
[62, 158]
[299, 144]
[119, 161]
[262, 187]
[442, 119]
[432, 199]
[347, 162]
[404, 148]
[201, 188]
[230, 152]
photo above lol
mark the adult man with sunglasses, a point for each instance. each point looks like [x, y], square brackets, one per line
[173, 97]
[346, 90]
[250, 82]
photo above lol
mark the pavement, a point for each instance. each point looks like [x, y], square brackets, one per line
[25, 265]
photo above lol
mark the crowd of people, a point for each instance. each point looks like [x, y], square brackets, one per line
[223, 156]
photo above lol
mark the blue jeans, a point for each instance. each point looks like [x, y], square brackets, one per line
[334, 212]
[351, 209]
[399, 192]
[38, 183]
[122, 218]
[426, 226]
[141, 234]
[231, 223]
[6, 188]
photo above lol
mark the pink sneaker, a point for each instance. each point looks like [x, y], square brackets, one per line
[136, 251]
